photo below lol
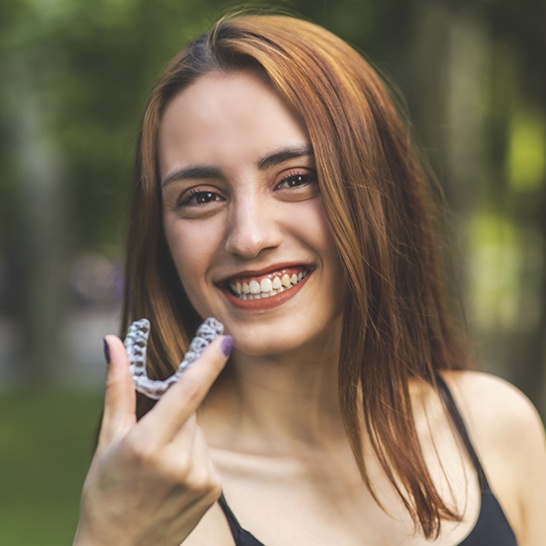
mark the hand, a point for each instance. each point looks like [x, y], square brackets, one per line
[151, 481]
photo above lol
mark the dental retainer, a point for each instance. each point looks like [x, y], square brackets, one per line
[136, 344]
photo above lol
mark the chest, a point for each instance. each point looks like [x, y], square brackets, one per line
[313, 501]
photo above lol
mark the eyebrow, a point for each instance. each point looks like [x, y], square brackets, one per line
[208, 171]
[283, 155]
[192, 172]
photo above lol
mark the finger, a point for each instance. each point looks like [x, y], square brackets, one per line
[185, 396]
[189, 455]
[119, 397]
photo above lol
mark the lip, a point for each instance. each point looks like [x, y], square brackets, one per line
[262, 304]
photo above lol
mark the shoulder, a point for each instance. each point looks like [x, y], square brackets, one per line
[484, 389]
[508, 435]
[493, 407]
[503, 424]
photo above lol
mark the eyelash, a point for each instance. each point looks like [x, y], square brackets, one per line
[308, 177]
[192, 195]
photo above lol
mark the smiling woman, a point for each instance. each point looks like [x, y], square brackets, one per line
[277, 191]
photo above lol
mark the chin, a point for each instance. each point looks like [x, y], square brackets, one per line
[288, 342]
[263, 350]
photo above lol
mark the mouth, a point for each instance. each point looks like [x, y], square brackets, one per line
[265, 286]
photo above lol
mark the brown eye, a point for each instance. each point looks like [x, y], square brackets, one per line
[297, 179]
[198, 197]
[204, 197]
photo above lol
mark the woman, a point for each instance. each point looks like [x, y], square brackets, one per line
[277, 191]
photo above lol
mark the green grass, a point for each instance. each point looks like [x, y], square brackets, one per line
[46, 443]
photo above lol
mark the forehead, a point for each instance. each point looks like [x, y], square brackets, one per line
[226, 118]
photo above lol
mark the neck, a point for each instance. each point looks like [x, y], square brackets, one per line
[277, 402]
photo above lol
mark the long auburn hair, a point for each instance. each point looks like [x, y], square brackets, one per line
[382, 214]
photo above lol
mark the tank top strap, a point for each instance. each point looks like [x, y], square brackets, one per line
[241, 536]
[458, 421]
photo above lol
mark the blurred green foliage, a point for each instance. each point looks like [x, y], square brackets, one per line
[46, 443]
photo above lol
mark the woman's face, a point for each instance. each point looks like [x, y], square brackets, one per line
[243, 215]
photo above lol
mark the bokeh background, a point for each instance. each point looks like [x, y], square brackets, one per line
[74, 77]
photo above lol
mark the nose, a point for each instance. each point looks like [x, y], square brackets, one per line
[252, 228]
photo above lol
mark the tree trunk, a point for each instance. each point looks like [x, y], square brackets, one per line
[35, 256]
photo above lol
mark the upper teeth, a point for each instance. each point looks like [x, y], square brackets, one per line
[267, 286]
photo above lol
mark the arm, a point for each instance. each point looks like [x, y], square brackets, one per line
[530, 454]
[509, 437]
[150, 482]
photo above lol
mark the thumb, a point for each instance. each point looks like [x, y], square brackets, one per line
[119, 396]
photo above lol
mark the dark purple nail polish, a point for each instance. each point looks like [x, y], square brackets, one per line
[106, 351]
[227, 345]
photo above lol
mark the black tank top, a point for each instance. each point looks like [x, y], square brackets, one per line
[492, 527]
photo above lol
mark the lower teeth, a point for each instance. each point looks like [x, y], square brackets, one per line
[262, 295]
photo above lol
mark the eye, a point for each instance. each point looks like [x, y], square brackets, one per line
[197, 197]
[297, 179]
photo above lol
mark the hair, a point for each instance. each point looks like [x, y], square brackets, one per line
[382, 213]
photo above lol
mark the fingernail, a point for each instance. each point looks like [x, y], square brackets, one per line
[106, 351]
[227, 345]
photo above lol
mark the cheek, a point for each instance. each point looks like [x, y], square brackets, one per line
[191, 253]
[313, 227]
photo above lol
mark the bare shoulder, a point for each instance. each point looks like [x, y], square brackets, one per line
[503, 424]
[508, 435]
[494, 406]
